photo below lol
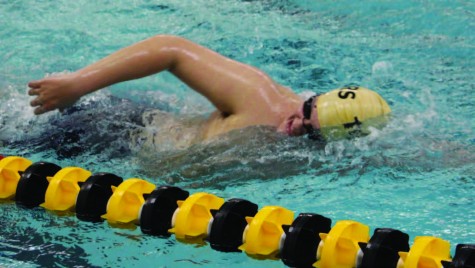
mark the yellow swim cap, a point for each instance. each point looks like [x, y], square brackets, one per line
[348, 110]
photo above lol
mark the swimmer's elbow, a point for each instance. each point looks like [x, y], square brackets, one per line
[169, 40]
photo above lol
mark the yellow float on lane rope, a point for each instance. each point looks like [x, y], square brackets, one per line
[339, 247]
[427, 252]
[63, 188]
[193, 215]
[10, 169]
[264, 231]
[125, 203]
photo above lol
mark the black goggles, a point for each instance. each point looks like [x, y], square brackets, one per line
[313, 134]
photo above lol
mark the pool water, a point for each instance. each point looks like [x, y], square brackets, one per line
[416, 175]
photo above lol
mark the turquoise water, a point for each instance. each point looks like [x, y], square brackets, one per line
[416, 175]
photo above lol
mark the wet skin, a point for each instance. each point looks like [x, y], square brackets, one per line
[243, 95]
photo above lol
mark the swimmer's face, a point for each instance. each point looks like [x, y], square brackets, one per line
[304, 121]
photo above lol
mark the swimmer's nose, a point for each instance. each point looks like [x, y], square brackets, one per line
[298, 128]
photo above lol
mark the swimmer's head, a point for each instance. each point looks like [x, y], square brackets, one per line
[345, 112]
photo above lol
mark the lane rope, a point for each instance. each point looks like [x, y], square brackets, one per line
[235, 225]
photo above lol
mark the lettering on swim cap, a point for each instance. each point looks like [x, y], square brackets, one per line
[344, 94]
[349, 110]
[352, 124]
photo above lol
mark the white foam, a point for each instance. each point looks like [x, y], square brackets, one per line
[382, 68]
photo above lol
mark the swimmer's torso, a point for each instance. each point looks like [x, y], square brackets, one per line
[164, 131]
[219, 123]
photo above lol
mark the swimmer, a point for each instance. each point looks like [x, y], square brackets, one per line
[243, 95]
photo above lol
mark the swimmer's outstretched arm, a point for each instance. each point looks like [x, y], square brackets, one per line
[226, 83]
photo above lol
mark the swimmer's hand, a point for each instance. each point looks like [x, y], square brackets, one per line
[58, 92]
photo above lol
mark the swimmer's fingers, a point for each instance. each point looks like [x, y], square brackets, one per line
[52, 93]
[36, 102]
[34, 84]
[41, 104]
[40, 110]
[34, 91]
[36, 87]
